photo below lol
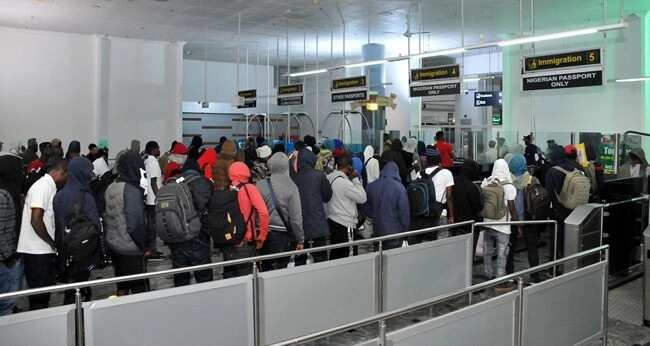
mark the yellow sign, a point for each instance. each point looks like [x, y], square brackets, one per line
[562, 60]
[433, 73]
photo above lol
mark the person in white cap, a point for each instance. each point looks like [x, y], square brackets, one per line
[260, 169]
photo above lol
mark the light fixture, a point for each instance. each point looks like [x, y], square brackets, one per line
[559, 35]
[307, 73]
[441, 52]
[372, 106]
[631, 80]
[471, 79]
[366, 63]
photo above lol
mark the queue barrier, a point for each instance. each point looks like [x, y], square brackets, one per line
[572, 306]
[262, 307]
[53, 326]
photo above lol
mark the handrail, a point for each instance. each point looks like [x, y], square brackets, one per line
[631, 200]
[106, 281]
[438, 299]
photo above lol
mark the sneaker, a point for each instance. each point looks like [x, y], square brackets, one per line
[157, 257]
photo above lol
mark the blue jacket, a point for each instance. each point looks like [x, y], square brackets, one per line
[388, 204]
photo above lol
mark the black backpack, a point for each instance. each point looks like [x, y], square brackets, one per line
[223, 220]
[422, 196]
[81, 242]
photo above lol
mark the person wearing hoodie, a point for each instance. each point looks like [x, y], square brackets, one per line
[74, 150]
[30, 154]
[370, 166]
[468, 202]
[499, 234]
[125, 226]
[636, 166]
[253, 209]
[56, 149]
[388, 205]
[207, 161]
[75, 193]
[315, 191]
[164, 158]
[347, 192]
[260, 168]
[11, 266]
[175, 161]
[282, 199]
[310, 141]
[521, 179]
[395, 155]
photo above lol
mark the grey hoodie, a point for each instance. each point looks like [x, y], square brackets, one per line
[346, 194]
[287, 195]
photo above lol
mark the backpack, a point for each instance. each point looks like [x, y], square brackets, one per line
[422, 196]
[176, 217]
[223, 220]
[575, 190]
[81, 242]
[537, 201]
[494, 205]
[8, 236]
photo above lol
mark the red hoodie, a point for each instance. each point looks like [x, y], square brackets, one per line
[207, 162]
[249, 198]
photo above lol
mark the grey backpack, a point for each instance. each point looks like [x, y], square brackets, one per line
[575, 190]
[117, 236]
[177, 219]
[8, 238]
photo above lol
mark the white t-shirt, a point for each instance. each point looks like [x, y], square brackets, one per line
[510, 195]
[152, 167]
[442, 180]
[40, 195]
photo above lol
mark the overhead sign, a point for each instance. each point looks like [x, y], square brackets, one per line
[435, 89]
[487, 98]
[249, 97]
[356, 95]
[349, 83]
[290, 89]
[435, 73]
[563, 60]
[497, 119]
[290, 101]
[563, 80]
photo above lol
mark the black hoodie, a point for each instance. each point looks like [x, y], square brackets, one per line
[395, 155]
[314, 190]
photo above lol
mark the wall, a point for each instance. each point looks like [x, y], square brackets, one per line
[88, 87]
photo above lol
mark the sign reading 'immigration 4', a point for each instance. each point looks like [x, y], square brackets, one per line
[564, 80]
[349, 83]
[562, 60]
[435, 89]
[435, 73]
[290, 89]
[350, 89]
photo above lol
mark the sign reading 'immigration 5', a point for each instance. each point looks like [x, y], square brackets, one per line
[435, 73]
[435, 89]
[562, 60]
[349, 83]
[564, 80]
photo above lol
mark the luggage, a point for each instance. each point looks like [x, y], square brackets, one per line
[81, 242]
[176, 218]
[575, 190]
[223, 220]
[494, 206]
[422, 196]
[537, 200]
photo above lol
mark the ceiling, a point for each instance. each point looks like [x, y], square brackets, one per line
[212, 24]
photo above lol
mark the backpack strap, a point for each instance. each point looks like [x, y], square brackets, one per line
[560, 169]
[277, 205]
[333, 180]
[250, 216]
[436, 171]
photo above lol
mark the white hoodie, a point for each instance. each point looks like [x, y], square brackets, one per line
[372, 165]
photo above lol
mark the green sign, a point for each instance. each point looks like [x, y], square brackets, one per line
[497, 119]
[607, 150]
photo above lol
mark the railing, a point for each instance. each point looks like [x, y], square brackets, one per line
[79, 325]
[383, 317]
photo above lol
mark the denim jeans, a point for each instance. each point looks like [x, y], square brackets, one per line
[10, 278]
[39, 272]
[191, 253]
[238, 252]
[319, 256]
[502, 240]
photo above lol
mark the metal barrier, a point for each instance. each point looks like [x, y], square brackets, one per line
[257, 278]
[522, 331]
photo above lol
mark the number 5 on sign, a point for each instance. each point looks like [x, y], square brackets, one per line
[592, 56]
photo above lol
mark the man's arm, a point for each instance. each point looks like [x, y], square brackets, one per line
[39, 226]
[450, 205]
[154, 186]
[514, 217]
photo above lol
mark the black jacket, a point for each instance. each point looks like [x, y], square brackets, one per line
[468, 202]
[314, 190]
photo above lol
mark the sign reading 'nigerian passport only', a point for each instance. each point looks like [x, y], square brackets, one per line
[562, 60]
[563, 80]
[435, 89]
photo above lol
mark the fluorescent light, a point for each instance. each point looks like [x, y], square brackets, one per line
[366, 63]
[564, 34]
[441, 52]
[630, 80]
[307, 73]
[473, 79]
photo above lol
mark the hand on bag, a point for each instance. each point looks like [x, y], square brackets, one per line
[300, 246]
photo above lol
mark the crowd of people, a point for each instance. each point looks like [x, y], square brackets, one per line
[63, 215]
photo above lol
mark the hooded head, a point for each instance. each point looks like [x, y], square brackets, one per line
[32, 145]
[278, 165]
[411, 145]
[518, 166]
[11, 175]
[637, 154]
[310, 141]
[306, 159]
[228, 150]
[239, 174]
[390, 171]
[135, 146]
[396, 145]
[74, 150]
[556, 154]
[130, 167]
[368, 152]
[422, 148]
[263, 152]
[80, 172]
[470, 170]
[209, 158]
[501, 171]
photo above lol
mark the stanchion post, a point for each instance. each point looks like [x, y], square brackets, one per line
[520, 311]
[79, 317]
[554, 247]
[256, 307]
[380, 278]
[382, 333]
[606, 296]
